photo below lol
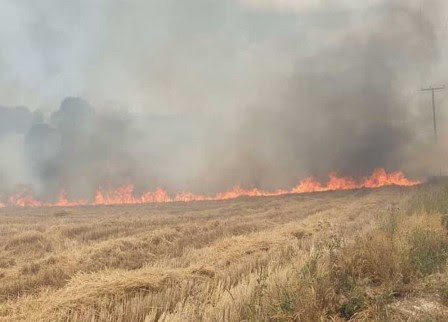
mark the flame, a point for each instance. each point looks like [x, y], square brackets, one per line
[124, 195]
[64, 202]
[24, 201]
[380, 178]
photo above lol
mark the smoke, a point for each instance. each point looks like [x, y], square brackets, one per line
[14, 124]
[347, 106]
[79, 150]
[201, 95]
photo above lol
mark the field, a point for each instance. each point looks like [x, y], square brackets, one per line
[363, 255]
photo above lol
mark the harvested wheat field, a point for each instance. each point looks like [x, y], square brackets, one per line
[362, 255]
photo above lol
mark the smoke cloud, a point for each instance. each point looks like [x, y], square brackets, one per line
[201, 95]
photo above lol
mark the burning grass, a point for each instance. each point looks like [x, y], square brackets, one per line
[372, 255]
[125, 195]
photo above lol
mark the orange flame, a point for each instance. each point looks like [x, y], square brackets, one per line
[64, 202]
[125, 194]
[24, 201]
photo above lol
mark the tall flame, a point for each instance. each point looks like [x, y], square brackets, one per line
[125, 194]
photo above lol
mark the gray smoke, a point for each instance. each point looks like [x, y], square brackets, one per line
[205, 94]
[79, 150]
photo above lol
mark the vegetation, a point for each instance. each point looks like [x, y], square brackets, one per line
[366, 255]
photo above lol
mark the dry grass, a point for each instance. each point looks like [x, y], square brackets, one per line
[367, 255]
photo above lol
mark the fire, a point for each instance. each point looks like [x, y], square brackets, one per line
[381, 178]
[20, 200]
[125, 195]
[64, 202]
